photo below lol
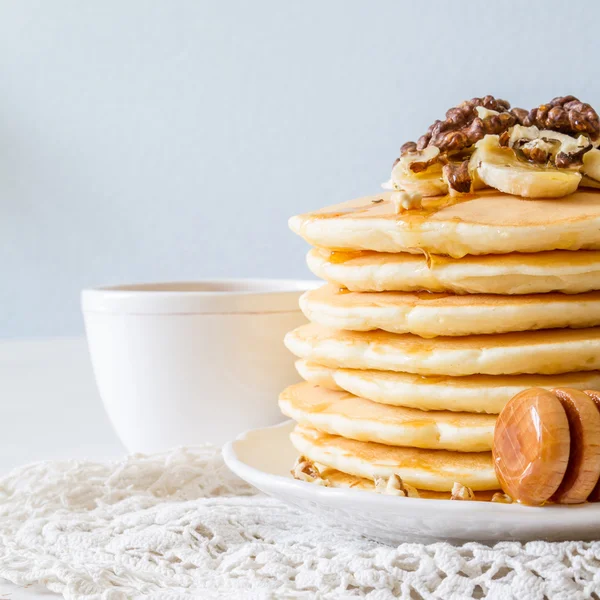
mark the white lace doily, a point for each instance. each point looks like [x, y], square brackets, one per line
[181, 526]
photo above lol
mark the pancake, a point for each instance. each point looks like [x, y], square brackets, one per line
[435, 470]
[337, 479]
[429, 315]
[544, 352]
[488, 222]
[342, 413]
[473, 393]
[516, 273]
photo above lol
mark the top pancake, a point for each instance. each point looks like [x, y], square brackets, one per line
[488, 222]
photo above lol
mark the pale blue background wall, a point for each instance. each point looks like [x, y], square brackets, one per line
[149, 140]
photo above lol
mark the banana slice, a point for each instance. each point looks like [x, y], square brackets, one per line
[591, 166]
[589, 182]
[420, 172]
[499, 167]
[428, 183]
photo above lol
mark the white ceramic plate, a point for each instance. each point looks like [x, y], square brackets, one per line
[263, 458]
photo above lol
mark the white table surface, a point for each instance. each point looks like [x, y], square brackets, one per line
[49, 409]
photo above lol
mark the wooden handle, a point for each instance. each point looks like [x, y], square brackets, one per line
[531, 446]
[547, 446]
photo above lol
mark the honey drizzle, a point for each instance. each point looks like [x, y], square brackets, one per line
[412, 217]
[432, 205]
[341, 213]
[341, 256]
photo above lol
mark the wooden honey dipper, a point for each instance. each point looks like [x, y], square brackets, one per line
[547, 446]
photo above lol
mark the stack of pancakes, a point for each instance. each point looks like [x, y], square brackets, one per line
[431, 320]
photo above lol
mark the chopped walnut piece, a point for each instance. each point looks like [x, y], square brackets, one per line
[405, 200]
[539, 150]
[461, 492]
[394, 486]
[305, 470]
[380, 483]
[520, 114]
[504, 138]
[412, 492]
[408, 147]
[502, 498]
[458, 178]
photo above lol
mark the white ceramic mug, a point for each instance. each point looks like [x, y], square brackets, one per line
[186, 363]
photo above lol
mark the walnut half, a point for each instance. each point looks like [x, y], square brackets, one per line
[565, 114]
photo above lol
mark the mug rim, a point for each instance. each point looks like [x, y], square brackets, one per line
[236, 296]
